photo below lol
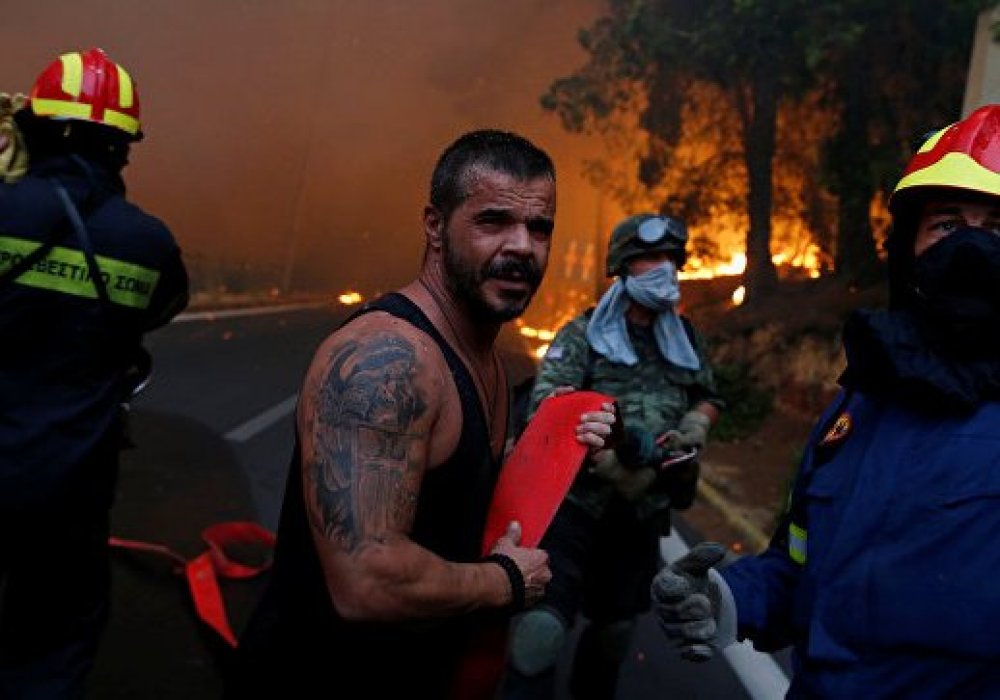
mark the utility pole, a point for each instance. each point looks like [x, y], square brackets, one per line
[983, 83]
[300, 198]
[599, 248]
[307, 159]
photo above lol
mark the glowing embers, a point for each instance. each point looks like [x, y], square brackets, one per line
[739, 294]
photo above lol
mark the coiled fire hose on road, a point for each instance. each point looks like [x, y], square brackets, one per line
[203, 571]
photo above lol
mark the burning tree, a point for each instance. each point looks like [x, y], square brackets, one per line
[691, 99]
[750, 50]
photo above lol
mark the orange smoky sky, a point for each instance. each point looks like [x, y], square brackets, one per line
[309, 128]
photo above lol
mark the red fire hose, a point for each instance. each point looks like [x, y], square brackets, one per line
[203, 572]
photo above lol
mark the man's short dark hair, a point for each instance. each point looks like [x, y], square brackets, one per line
[501, 151]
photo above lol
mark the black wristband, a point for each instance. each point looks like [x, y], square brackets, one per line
[517, 587]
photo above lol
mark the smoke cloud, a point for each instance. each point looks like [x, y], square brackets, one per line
[305, 131]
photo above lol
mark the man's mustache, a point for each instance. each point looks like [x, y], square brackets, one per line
[514, 270]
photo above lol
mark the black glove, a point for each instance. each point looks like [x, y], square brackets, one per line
[630, 483]
[638, 449]
[680, 482]
[688, 602]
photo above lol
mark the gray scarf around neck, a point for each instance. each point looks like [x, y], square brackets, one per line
[607, 331]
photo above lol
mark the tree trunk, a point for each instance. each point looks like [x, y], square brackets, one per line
[760, 277]
[856, 259]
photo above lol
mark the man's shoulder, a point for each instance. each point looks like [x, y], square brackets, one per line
[370, 324]
[27, 202]
[377, 338]
[570, 345]
[380, 365]
[576, 328]
[128, 214]
[387, 314]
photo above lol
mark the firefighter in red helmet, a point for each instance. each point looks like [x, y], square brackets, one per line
[882, 574]
[84, 274]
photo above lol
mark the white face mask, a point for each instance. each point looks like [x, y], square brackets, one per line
[658, 289]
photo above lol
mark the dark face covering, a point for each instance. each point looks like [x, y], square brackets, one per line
[957, 292]
[940, 350]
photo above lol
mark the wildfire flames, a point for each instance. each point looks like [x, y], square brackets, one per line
[350, 298]
[808, 261]
[542, 335]
[637, 171]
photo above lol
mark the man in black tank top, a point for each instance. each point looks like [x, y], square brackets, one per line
[378, 579]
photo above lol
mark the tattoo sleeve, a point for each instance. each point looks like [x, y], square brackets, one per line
[363, 470]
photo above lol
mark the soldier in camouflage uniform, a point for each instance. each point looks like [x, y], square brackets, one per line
[604, 542]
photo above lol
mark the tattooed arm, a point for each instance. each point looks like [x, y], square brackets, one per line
[369, 420]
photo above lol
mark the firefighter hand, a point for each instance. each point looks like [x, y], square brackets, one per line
[532, 563]
[691, 432]
[693, 603]
[629, 483]
[595, 427]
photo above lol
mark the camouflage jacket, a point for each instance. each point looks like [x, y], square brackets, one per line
[652, 396]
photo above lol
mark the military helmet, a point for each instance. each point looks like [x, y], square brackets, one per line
[645, 233]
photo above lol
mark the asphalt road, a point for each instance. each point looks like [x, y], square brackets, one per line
[213, 435]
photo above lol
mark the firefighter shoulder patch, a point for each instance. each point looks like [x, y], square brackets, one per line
[840, 429]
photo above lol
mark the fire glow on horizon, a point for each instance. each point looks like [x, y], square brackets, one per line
[808, 261]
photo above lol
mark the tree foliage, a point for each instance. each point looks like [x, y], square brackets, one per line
[659, 49]
[894, 71]
[704, 105]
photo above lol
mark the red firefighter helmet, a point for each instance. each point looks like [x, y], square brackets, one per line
[963, 156]
[88, 86]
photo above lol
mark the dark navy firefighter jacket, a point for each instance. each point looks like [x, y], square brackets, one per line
[64, 352]
[885, 574]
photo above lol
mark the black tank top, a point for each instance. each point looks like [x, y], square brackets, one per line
[296, 639]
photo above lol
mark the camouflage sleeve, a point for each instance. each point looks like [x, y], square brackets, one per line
[704, 388]
[565, 363]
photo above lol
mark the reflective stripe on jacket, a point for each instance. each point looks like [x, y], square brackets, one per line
[897, 594]
[64, 352]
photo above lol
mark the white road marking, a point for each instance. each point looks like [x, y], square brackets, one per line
[760, 674]
[262, 422]
[253, 311]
